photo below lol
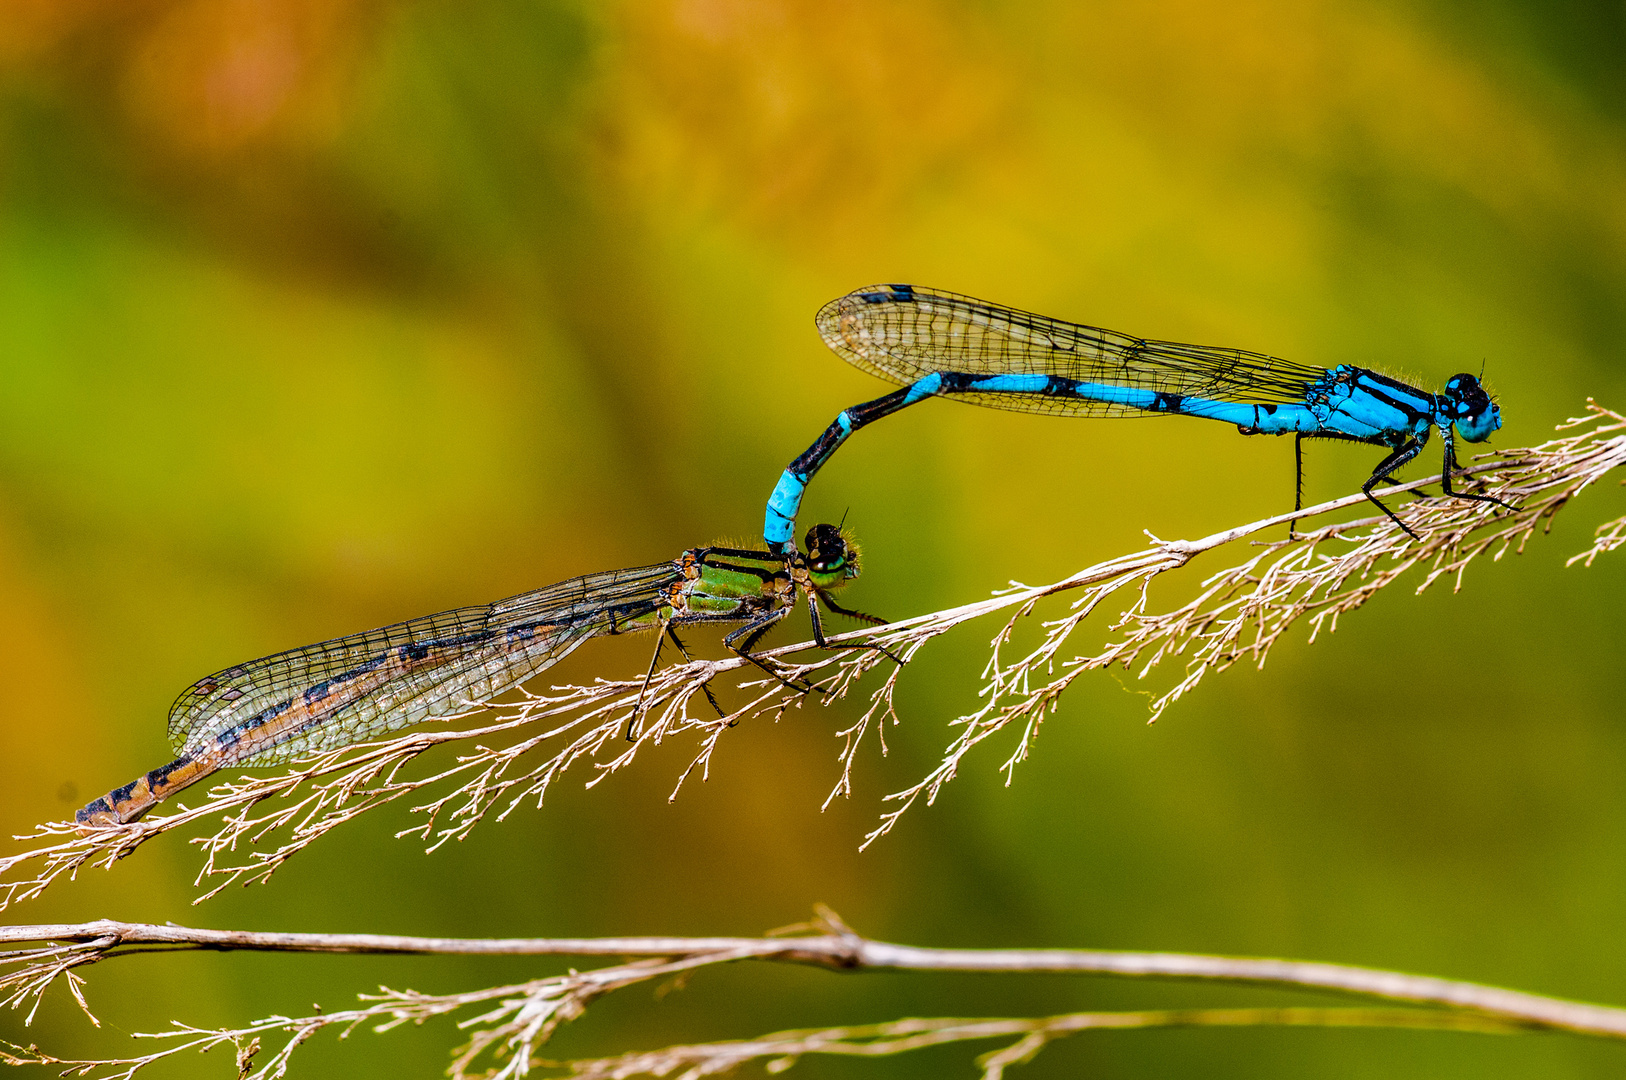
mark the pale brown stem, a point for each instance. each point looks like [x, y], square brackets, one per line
[852, 952]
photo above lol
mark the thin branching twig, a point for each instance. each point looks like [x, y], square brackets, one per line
[515, 1020]
[783, 1049]
[1239, 612]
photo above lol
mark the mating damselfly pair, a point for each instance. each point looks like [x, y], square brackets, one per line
[936, 344]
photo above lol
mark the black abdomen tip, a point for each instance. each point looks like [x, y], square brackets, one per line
[99, 812]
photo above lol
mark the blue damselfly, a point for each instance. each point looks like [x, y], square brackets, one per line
[941, 344]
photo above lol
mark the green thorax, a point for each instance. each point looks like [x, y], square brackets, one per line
[727, 581]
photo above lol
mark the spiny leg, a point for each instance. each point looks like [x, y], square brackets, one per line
[752, 632]
[638, 707]
[1451, 466]
[1298, 469]
[1402, 454]
[813, 617]
[1298, 481]
[861, 616]
[705, 686]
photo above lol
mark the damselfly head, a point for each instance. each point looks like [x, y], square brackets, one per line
[1470, 409]
[831, 553]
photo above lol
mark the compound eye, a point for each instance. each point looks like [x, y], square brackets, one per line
[827, 564]
[1473, 412]
[1467, 397]
[828, 558]
[826, 550]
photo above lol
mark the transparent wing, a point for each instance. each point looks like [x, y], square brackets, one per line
[901, 333]
[350, 689]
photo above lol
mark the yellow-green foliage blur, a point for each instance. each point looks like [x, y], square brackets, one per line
[319, 315]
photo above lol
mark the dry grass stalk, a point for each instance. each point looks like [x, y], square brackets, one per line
[1239, 613]
[512, 1022]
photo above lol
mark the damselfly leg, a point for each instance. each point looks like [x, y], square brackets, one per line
[654, 661]
[861, 616]
[1401, 455]
[762, 624]
[1451, 466]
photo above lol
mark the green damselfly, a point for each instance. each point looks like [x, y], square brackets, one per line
[341, 692]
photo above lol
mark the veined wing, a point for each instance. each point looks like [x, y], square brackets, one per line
[336, 693]
[903, 332]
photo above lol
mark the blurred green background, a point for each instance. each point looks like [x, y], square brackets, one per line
[319, 315]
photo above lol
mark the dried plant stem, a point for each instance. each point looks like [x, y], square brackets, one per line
[520, 1017]
[843, 949]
